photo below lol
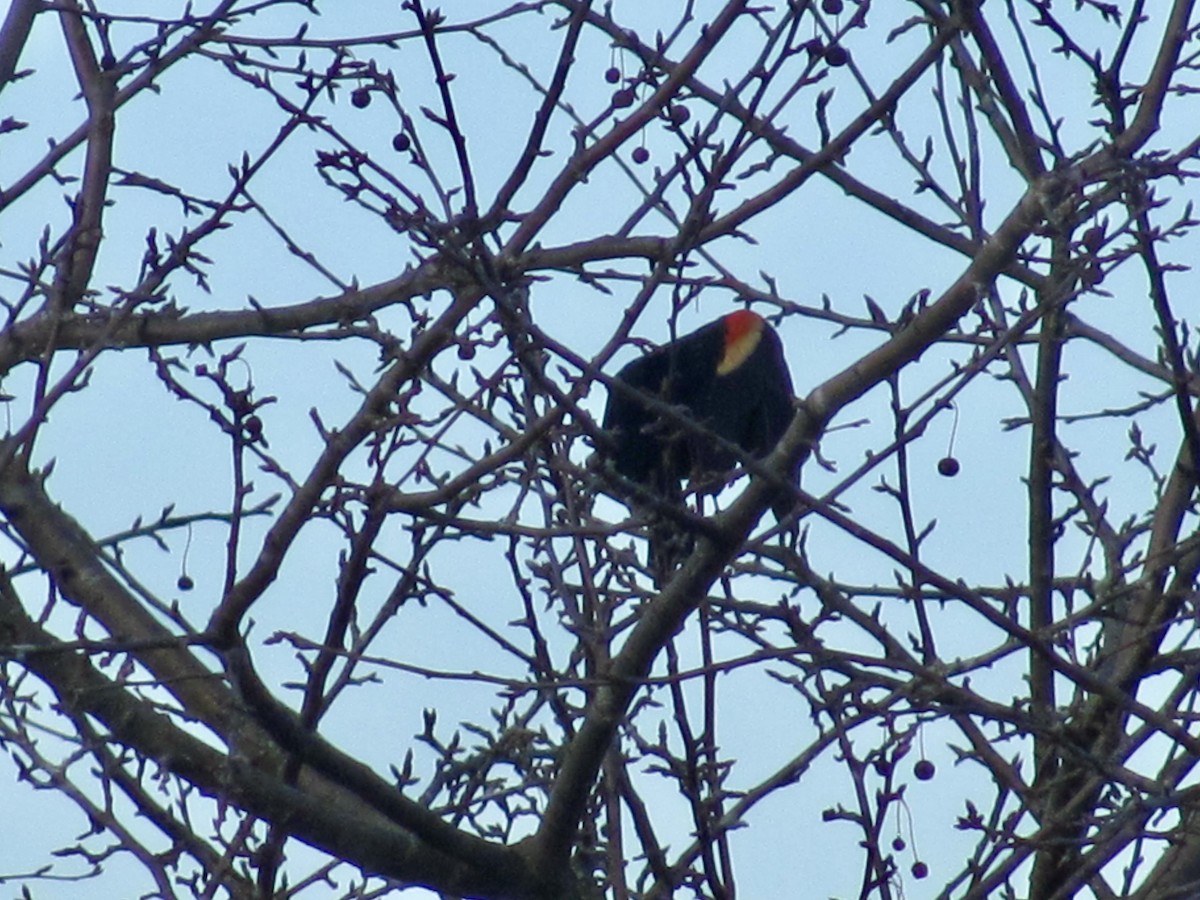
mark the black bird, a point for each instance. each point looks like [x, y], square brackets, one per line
[729, 379]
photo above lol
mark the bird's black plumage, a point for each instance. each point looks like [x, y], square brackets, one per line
[726, 382]
[729, 379]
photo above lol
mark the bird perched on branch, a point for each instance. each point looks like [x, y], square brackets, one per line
[685, 410]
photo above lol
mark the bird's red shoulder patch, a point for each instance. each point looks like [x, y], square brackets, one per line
[743, 331]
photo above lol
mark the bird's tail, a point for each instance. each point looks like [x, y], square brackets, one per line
[670, 544]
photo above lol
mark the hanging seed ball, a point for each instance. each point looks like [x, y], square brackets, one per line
[640, 155]
[837, 56]
[948, 466]
[361, 98]
[898, 844]
[679, 114]
[401, 142]
[623, 98]
[919, 870]
[1093, 238]
[253, 426]
[185, 583]
[612, 74]
[924, 770]
[831, 7]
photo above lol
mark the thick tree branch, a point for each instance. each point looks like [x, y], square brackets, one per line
[13, 35]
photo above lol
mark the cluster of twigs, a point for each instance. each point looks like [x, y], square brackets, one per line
[421, 636]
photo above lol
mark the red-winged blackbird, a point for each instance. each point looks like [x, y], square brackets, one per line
[729, 379]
